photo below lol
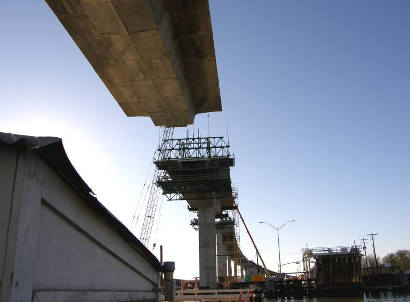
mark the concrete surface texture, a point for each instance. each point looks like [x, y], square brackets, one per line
[207, 243]
[156, 57]
[57, 245]
[221, 254]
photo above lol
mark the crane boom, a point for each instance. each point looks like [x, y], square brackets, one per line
[153, 197]
[253, 242]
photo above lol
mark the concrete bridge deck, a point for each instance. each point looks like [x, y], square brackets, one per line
[156, 57]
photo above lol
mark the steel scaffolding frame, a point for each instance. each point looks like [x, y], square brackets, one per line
[193, 147]
[195, 168]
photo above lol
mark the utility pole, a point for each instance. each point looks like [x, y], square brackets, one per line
[374, 252]
[365, 254]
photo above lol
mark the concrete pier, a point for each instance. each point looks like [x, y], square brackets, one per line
[229, 266]
[221, 256]
[207, 243]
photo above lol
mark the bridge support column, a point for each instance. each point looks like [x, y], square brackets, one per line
[229, 266]
[207, 244]
[221, 258]
[235, 269]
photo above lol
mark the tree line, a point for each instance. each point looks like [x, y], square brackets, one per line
[396, 262]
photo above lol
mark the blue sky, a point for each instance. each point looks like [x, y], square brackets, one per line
[316, 96]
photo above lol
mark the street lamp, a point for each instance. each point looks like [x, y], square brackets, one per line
[277, 232]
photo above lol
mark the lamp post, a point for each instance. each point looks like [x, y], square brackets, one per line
[277, 229]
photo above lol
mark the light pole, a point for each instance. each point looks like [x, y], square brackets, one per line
[277, 229]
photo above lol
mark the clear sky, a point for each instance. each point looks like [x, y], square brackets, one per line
[316, 96]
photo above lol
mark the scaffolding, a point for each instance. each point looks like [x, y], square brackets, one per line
[237, 253]
[194, 147]
[195, 168]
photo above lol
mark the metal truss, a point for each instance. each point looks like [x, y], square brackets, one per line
[195, 196]
[153, 199]
[174, 196]
[193, 148]
[150, 213]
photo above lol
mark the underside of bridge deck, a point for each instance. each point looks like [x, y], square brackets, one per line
[156, 57]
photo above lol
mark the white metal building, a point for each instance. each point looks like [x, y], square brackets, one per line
[57, 241]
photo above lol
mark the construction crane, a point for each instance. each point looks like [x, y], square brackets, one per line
[153, 197]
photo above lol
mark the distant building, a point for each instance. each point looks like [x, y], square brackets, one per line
[58, 242]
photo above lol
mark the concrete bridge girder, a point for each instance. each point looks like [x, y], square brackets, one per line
[156, 57]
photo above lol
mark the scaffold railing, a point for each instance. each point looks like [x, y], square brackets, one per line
[317, 251]
[193, 148]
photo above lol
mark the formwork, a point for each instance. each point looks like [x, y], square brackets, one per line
[194, 169]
